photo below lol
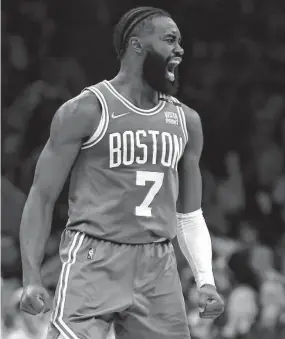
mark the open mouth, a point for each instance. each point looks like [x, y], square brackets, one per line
[170, 68]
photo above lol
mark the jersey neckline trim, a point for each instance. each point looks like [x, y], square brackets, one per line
[131, 106]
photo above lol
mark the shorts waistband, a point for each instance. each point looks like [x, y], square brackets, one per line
[161, 241]
[158, 241]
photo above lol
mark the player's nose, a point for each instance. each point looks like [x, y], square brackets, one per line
[179, 51]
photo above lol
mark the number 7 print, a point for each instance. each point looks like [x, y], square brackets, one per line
[144, 209]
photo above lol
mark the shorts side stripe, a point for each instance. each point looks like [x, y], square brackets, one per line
[55, 312]
[58, 313]
[62, 334]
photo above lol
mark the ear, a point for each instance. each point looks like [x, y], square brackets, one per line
[136, 45]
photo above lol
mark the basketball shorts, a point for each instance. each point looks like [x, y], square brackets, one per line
[135, 287]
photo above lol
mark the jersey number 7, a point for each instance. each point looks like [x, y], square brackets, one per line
[144, 209]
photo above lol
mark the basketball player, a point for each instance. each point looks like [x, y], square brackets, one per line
[133, 152]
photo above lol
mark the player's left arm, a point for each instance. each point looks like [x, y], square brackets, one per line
[190, 182]
[193, 235]
[192, 231]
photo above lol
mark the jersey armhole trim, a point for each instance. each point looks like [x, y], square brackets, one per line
[182, 118]
[104, 121]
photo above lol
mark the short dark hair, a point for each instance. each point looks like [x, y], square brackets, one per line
[133, 19]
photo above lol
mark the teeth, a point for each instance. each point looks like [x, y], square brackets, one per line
[170, 76]
[173, 64]
[175, 61]
[171, 67]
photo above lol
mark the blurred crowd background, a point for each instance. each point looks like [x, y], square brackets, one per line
[233, 74]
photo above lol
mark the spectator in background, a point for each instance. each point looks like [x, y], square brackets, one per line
[28, 122]
[38, 25]
[12, 203]
[14, 60]
[225, 198]
[23, 325]
[250, 266]
[280, 254]
[230, 191]
[10, 257]
[8, 287]
[265, 185]
[272, 306]
[241, 313]
[271, 318]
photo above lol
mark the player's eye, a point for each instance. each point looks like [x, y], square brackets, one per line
[170, 39]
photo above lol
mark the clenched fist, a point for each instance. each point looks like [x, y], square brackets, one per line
[211, 304]
[35, 299]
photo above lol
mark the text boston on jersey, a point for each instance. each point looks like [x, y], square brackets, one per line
[143, 146]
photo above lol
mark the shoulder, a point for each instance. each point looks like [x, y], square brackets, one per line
[84, 105]
[193, 120]
[78, 116]
[195, 132]
[191, 116]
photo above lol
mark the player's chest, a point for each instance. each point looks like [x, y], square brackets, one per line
[143, 126]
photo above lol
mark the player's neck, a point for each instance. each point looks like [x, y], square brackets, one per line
[132, 86]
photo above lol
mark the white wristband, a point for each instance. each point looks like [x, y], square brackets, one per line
[195, 243]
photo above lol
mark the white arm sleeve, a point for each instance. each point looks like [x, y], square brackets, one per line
[195, 243]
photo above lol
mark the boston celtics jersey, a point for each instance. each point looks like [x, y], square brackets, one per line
[124, 184]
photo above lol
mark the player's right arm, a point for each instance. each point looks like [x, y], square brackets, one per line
[72, 123]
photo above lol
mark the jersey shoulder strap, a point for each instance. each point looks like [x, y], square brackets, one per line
[101, 129]
[180, 111]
